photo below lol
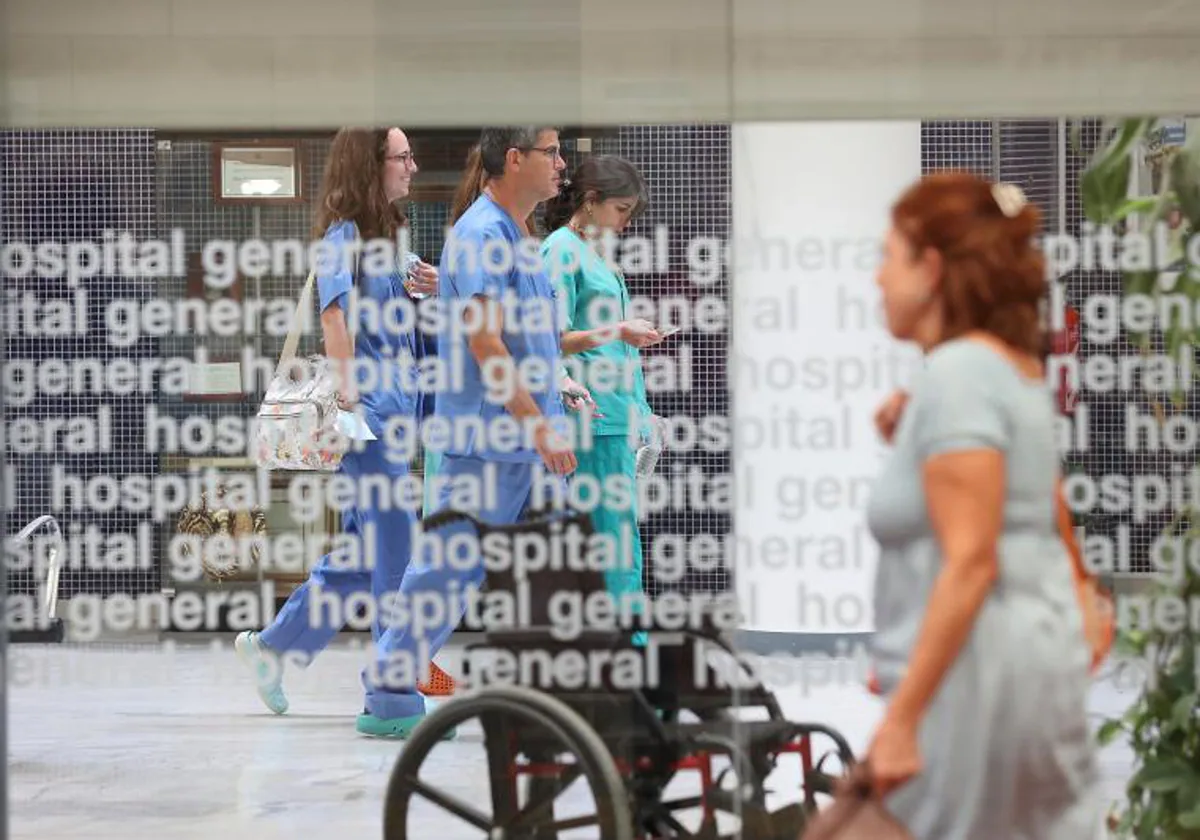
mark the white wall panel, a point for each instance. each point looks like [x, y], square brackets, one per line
[810, 354]
[248, 62]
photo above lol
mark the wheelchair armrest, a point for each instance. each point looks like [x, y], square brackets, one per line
[845, 753]
[720, 640]
[542, 634]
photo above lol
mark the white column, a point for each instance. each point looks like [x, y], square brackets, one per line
[810, 362]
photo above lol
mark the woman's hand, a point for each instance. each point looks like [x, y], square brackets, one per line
[894, 756]
[575, 396]
[347, 399]
[422, 280]
[639, 333]
[887, 417]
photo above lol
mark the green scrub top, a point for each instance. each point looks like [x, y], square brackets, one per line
[593, 294]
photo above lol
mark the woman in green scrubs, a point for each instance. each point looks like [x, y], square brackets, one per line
[605, 194]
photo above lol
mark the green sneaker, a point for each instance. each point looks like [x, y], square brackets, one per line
[400, 728]
[267, 668]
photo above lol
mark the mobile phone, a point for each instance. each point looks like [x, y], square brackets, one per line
[667, 332]
[579, 395]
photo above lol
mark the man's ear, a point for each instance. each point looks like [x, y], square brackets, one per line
[513, 158]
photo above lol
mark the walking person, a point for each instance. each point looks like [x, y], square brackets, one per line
[367, 173]
[979, 651]
[470, 187]
[605, 194]
[523, 168]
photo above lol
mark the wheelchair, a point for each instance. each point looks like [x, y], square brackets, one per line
[45, 627]
[629, 734]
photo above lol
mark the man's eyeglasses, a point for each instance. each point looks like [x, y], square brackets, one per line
[552, 152]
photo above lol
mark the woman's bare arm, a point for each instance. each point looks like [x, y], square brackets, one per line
[964, 491]
[339, 349]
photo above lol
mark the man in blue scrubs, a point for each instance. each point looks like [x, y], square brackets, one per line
[488, 276]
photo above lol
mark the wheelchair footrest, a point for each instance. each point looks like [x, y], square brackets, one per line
[52, 634]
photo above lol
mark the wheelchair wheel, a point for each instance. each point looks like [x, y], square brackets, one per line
[518, 723]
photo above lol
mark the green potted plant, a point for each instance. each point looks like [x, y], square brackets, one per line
[1162, 726]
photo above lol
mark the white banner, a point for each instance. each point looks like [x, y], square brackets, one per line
[811, 361]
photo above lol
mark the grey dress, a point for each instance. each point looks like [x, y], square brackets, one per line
[1007, 751]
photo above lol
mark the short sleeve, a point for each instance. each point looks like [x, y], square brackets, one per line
[562, 263]
[959, 404]
[335, 266]
[481, 263]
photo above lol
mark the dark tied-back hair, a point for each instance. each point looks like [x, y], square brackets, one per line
[352, 186]
[598, 178]
[470, 185]
[994, 275]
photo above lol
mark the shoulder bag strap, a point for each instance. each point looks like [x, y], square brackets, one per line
[293, 337]
[304, 305]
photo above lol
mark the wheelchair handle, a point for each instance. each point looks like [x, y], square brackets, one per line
[452, 515]
[448, 517]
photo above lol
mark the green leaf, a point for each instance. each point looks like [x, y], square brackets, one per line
[1151, 819]
[1190, 792]
[1108, 731]
[1184, 678]
[1185, 180]
[1190, 819]
[1134, 206]
[1104, 185]
[1164, 775]
[1110, 190]
[1183, 710]
[1140, 282]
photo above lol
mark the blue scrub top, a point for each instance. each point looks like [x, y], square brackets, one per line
[473, 264]
[395, 393]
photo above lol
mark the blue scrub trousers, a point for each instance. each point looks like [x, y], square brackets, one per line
[379, 568]
[513, 483]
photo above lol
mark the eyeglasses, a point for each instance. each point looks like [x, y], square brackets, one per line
[552, 152]
[404, 157]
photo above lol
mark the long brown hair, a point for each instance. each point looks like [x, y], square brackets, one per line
[352, 186]
[994, 275]
[470, 187]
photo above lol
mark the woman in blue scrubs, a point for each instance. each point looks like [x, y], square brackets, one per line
[368, 171]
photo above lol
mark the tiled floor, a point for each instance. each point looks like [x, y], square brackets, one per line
[130, 742]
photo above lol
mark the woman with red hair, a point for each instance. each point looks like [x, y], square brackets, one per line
[979, 648]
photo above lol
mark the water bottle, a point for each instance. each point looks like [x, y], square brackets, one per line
[649, 452]
[411, 261]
